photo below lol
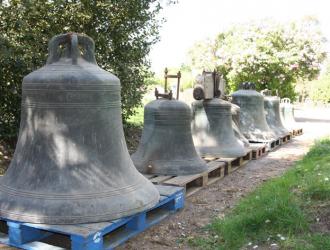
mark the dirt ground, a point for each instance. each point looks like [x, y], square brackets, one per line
[218, 198]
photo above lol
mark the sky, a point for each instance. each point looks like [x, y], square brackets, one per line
[190, 21]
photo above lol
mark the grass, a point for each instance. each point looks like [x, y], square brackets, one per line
[136, 119]
[288, 211]
[133, 129]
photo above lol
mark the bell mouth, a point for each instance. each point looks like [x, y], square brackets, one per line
[79, 210]
[217, 152]
[176, 167]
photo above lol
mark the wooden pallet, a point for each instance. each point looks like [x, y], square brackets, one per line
[258, 150]
[232, 164]
[91, 236]
[192, 183]
[286, 138]
[273, 144]
[216, 171]
[297, 132]
[270, 144]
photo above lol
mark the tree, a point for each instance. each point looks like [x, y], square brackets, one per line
[202, 55]
[273, 55]
[319, 90]
[123, 31]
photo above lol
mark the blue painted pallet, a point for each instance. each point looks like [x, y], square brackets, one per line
[92, 236]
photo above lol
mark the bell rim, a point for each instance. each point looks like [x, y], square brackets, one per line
[71, 219]
[146, 187]
[45, 196]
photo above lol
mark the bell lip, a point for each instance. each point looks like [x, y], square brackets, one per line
[177, 173]
[220, 154]
[34, 195]
[70, 220]
[200, 168]
[145, 186]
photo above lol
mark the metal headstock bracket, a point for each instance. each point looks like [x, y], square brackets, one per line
[169, 95]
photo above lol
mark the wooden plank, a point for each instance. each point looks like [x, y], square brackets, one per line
[258, 150]
[286, 138]
[209, 158]
[216, 171]
[37, 245]
[183, 179]
[232, 164]
[246, 158]
[149, 176]
[167, 190]
[78, 229]
[160, 179]
[192, 190]
[215, 164]
[191, 183]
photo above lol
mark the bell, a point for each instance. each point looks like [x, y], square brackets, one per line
[272, 110]
[287, 114]
[213, 130]
[166, 146]
[235, 113]
[71, 163]
[253, 122]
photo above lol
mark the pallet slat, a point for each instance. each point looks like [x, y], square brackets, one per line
[191, 183]
[160, 179]
[216, 171]
[270, 144]
[258, 150]
[286, 138]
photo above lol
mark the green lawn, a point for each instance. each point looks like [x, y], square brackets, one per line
[289, 211]
[137, 119]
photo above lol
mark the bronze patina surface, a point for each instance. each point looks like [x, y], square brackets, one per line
[71, 164]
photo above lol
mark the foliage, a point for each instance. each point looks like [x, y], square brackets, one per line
[202, 55]
[319, 90]
[186, 81]
[280, 211]
[123, 32]
[273, 55]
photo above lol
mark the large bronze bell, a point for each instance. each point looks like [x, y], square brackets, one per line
[166, 146]
[212, 129]
[273, 117]
[235, 112]
[71, 163]
[287, 114]
[253, 122]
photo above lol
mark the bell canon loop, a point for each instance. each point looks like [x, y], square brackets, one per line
[71, 163]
